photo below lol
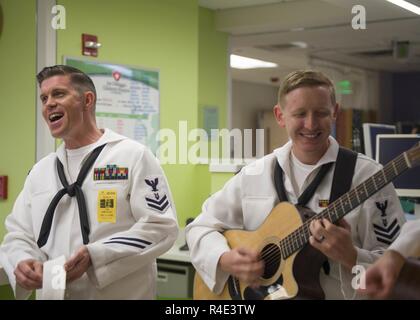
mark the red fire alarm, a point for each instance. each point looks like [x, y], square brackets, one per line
[3, 187]
[90, 45]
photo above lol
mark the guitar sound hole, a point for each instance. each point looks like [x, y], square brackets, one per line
[271, 256]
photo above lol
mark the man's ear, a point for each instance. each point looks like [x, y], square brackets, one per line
[89, 100]
[279, 115]
[335, 111]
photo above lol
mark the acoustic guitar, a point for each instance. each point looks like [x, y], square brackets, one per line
[292, 265]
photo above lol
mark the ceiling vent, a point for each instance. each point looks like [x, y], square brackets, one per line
[279, 47]
[374, 54]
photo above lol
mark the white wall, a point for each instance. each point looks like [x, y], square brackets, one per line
[365, 84]
[247, 100]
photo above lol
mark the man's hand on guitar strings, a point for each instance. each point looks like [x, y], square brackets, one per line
[334, 241]
[244, 264]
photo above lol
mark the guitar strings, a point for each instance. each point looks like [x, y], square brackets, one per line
[369, 183]
[286, 247]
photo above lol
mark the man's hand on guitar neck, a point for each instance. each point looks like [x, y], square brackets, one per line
[243, 264]
[334, 241]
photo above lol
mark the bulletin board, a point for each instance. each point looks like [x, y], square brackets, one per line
[127, 99]
[210, 120]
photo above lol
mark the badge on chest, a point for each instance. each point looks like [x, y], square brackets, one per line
[107, 206]
[323, 203]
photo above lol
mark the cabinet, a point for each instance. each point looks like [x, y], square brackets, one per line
[175, 275]
[174, 279]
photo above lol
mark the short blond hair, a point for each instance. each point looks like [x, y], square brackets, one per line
[304, 78]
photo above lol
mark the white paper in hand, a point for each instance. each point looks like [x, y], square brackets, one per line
[54, 279]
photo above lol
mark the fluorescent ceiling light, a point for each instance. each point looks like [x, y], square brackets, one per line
[300, 44]
[239, 62]
[406, 5]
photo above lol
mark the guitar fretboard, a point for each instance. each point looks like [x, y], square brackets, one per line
[346, 203]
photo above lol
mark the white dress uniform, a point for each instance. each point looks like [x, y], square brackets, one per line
[131, 214]
[408, 242]
[247, 199]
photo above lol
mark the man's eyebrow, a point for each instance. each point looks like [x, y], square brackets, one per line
[55, 90]
[52, 91]
[299, 110]
[58, 89]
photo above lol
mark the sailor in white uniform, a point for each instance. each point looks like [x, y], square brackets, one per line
[307, 109]
[102, 201]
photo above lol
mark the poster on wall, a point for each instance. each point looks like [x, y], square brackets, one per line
[127, 99]
[211, 121]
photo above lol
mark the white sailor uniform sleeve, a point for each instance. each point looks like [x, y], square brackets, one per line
[379, 223]
[408, 242]
[19, 243]
[153, 233]
[220, 212]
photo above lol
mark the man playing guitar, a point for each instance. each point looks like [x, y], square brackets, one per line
[307, 108]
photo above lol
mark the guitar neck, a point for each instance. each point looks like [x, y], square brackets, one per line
[350, 200]
[346, 203]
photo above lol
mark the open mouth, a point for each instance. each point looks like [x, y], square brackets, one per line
[53, 117]
[311, 135]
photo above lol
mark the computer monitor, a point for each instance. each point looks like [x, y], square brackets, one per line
[407, 127]
[370, 131]
[388, 147]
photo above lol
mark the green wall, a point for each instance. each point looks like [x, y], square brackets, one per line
[212, 87]
[213, 65]
[18, 94]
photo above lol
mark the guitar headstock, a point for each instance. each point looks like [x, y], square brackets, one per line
[413, 155]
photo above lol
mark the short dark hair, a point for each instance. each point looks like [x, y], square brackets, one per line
[305, 78]
[80, 80]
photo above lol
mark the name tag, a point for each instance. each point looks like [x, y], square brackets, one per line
[107, 206]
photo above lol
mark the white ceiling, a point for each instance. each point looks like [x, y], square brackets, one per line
[265, 29]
